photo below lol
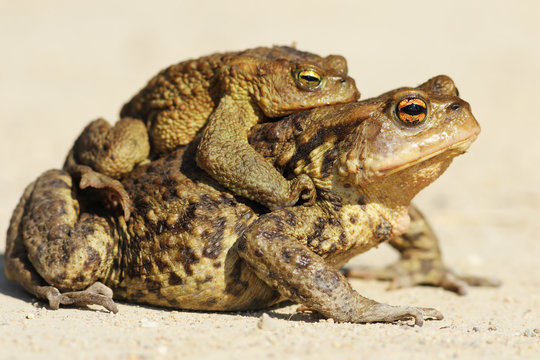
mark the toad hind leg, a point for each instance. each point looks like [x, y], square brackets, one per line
[271, 249]
[421, 262]
[49, 248]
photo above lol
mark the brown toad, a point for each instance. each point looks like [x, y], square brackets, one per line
[224, 95]
[190, 244]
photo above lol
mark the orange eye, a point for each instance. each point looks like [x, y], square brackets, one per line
[411, 111]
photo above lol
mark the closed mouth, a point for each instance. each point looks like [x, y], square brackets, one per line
[459, 147]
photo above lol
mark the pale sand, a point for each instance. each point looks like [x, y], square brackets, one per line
[63, 65]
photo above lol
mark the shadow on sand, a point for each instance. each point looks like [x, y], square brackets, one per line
[10, 288]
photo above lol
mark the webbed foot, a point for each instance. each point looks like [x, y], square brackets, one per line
[408, 272]
[96, 294]
[387, 313]
[301, 187]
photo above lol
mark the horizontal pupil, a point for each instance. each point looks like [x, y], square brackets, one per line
[310, 78]
[413, 109]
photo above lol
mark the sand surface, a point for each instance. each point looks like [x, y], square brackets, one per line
[65, 63]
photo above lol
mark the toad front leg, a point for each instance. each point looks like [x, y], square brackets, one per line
[421, 262]
[225, 154]
[51, 247]
[275, 247]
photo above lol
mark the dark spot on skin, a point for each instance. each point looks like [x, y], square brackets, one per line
[242, 243]
[286, 256]
[331, 198]
[326, 280]
[352, 219]
[169, 194]
[328, 160]
[168, 182]
[173, 302]
[227, 200]
[205, 205]
[258, 253]
[152, 285]
[239, 227]
[318, 228]
[332, 249]
[55, 208]
[278, 221]
[210, 301]
[342, 239]
[269, 235]
[235, 286]
[360, 201]
[154, 168]
[86, 230]
[214, 240]
[58, 184]
[383, 230]
[206, 202]
[303, 260]
[334, 221]
[336, 131]
[217, 264]
[290, 218]
[58, 279]
[273, 275]
[59, 232]
[174, 279]
[162, 265]
[79, 279]
[93, 259]
[187, 257]
[142, 207]
[207, 279]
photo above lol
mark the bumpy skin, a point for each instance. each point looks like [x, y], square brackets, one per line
[226, 94]
[190, 244]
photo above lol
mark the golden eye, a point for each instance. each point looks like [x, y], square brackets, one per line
[411, 111]
[309, 78]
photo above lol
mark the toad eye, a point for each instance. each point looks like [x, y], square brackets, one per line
[411, 111]
[309, 78]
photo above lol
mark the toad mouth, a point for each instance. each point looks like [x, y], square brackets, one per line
[459, 147]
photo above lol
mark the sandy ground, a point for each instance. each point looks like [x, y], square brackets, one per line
[64, 63]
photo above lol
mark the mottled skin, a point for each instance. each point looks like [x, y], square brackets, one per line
[190, 244]
[224, 95]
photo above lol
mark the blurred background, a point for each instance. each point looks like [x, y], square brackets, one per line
[64, 63]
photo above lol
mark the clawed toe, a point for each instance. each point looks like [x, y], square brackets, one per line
[432, 313]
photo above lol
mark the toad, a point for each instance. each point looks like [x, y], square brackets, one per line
[222, 96]
[191, 244]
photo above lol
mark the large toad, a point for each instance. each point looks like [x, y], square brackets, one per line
[190, 244]
[223, 96]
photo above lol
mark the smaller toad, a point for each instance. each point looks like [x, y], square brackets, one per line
[222, 96]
